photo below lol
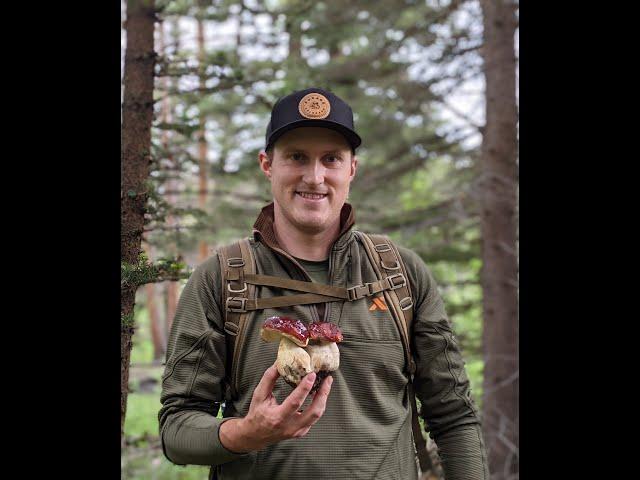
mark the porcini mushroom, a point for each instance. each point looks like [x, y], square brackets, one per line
[323, 349]
[293, 362]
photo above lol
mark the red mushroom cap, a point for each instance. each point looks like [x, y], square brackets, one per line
[275, 327]
[325, 331]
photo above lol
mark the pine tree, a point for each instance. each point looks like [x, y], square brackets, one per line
[137, 115]
[499, 256]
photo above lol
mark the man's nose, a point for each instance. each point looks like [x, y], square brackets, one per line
[314, 173]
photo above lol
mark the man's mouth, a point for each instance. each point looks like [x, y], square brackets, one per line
[312, 196]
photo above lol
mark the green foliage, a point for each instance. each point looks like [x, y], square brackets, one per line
[141, 419]
[147, 272]
[127, 321]
[142, 350]
[392, 61]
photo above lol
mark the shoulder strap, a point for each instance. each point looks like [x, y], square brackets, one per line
[236, 261]
[386, 261]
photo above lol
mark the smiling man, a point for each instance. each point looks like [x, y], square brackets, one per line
[362, 421]
[310, 169]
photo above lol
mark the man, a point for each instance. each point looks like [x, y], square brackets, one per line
[358, 424]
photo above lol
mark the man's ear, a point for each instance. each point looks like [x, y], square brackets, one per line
[265, 164]
[354, 167]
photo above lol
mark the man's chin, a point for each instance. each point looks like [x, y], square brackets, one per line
[312, 224]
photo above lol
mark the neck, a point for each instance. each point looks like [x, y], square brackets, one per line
[305, 245]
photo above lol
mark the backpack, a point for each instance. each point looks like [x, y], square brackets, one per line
[239, 281]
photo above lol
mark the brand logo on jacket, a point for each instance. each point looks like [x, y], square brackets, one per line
[378, 304]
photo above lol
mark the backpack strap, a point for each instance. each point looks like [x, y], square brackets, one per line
[386, 261]
[317, 292]
[236, 261]
[238, 300]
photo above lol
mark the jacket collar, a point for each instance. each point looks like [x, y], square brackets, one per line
[263, 227]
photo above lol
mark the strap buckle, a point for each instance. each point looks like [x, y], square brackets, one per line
[243, 289]
[237, 304]
[391, 279]
[231, 328]
[235, 262]
[406, 303]
[394, 266]
[382, 247]
[359, 291]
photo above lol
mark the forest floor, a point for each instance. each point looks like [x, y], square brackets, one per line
[142, 459]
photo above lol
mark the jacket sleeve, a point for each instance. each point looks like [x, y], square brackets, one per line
[192, 383]
[441, 383]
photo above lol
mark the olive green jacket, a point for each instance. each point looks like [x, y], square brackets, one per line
[365, 432]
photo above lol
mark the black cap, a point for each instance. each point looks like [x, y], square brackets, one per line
[312, 107]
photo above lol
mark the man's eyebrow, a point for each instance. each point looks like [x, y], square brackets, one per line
[293, 148]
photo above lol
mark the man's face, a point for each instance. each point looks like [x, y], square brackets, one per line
[310, 173]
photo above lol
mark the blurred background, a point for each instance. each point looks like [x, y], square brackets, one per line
[433, 88]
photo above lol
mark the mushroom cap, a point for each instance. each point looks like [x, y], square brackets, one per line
[325, 332]
[274, 328]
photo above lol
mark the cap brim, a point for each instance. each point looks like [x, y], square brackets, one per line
[352, 137]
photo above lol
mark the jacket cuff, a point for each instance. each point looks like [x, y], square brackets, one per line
[194, 439]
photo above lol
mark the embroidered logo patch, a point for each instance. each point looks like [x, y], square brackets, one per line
[314, 105]
[378, 304]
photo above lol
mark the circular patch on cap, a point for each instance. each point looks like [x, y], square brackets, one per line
[314, 105]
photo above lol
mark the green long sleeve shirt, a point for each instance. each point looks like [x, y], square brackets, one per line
[365, 432]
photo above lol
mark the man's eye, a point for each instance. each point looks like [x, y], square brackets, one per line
[332, 159]
[297, 157]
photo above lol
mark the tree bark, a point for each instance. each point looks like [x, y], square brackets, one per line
[292, 27]
[137, 114]
[202, 141]
[499, 275]
[171, 287]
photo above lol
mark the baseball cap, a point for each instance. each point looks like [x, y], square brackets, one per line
[312, 107]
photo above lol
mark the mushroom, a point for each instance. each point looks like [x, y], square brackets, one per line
[323, 350]
[293, 362]
[303, 350]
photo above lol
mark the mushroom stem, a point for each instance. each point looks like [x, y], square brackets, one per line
[324, 356]
[293, 362]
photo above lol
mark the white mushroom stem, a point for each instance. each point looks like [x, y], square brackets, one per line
[324, 356]
[293, 362]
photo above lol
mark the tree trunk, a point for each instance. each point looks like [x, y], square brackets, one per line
[171, 287]
[499, 251]
[202, 142]
[154, 321]
[295, 41]
[137, 114]
[157, 334]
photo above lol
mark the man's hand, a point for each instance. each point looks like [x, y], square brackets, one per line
[268, 422]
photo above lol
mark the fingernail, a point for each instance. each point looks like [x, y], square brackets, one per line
[311, 377]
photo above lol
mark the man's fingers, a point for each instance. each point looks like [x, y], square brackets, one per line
[294, 401]
[267, 383]
[314, 411]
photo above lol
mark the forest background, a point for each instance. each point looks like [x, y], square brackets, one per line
[433, 87]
